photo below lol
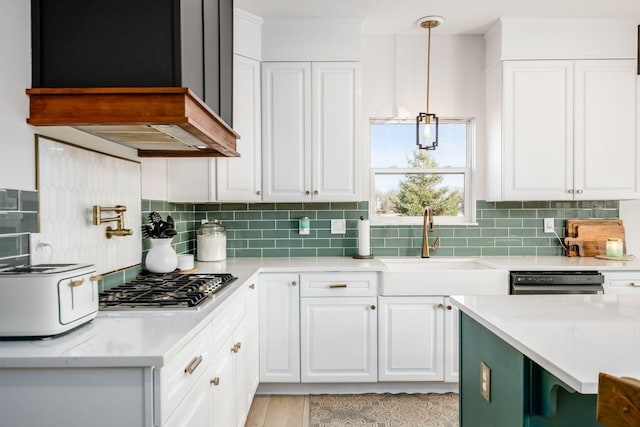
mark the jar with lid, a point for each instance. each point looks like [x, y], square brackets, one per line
[211, 242]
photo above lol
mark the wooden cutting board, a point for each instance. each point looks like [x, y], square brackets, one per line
[572, 230]
[591, 240]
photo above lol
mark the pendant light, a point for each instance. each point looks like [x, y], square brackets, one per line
[426, 137]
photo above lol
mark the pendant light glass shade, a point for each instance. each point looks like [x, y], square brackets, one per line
[427, 123]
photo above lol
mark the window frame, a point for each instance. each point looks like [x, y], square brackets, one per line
[469, 218]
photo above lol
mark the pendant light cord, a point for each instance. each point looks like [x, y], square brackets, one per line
[428, 65]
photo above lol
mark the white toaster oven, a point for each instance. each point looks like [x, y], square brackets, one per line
[46, 299]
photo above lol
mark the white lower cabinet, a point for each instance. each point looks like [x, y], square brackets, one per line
[417, 339]
[622, 283]
[338, 339]
[279, 328]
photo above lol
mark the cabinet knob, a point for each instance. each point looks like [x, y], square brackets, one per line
[315, 192]
[215, 381]
[373, 307]
[307, 192]
[440, 305]
[579, 191]
[449, 307]
[294, 283]
[258, 192]
[570, 191]
[252, 286]
[234, 349]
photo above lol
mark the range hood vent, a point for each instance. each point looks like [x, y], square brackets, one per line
[158, 122]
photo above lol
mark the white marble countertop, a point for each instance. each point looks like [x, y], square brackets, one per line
[574, 337]
[150, 338]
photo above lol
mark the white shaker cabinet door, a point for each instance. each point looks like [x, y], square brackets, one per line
[411, 339]
[239, 178]
[335, 130]
[338, 339]
[190, 180]
[451, 344]
[286, 131]
[606, 137]
[279, 328]
[537, 130]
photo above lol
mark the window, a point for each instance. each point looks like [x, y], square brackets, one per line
[405, 179]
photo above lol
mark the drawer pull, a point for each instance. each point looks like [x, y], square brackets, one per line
[191, 367]
[96, 278]
[215, 381]
[76, 283]
[338, 285]
[636, 284]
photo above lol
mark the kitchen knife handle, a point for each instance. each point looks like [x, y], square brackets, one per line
[191, 367]
[76, 283]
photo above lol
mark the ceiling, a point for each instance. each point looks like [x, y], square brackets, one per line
[384, 17]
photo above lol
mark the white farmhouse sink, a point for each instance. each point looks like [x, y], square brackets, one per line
[442, 276]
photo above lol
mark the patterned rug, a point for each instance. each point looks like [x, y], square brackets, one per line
[384, 410]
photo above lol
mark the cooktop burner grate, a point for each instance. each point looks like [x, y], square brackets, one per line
[171, 290]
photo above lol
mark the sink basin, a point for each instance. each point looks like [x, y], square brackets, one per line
[442, 276]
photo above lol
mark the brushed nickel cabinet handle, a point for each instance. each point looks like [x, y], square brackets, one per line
[193, 365]
[215, 381]
[338, 285]
[76, 283]
[294, 283]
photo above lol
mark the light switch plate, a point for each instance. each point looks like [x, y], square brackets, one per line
[338, 226]
[485, 381]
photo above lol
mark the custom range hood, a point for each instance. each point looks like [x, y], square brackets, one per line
[158, 122]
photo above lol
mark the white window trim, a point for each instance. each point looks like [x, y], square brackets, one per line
[469, 181]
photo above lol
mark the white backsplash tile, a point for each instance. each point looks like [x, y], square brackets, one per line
[72, 180]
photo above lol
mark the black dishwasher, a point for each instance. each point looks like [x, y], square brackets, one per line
[556, 282]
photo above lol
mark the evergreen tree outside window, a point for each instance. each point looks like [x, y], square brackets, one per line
[405, 179]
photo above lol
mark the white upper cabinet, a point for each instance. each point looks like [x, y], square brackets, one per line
[563, 130]
[310, 130]
[191, 180]
[238, 178]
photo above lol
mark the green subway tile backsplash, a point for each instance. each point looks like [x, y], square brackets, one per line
[271, 229]
[18, 218]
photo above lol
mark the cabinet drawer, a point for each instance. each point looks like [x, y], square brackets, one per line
[178, 376]
[226, 321]
[622, 283]
[347, 283]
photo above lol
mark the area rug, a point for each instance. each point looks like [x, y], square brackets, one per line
[384, 410]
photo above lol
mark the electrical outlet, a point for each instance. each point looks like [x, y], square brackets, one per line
[485, 381]
[548, 225]
[338, 226]
[35, 248]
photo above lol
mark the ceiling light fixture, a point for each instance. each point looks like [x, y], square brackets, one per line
[426, 137]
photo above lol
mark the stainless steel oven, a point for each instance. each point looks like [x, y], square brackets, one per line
[556, 282]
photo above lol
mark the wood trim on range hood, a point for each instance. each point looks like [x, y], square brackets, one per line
[158, 122]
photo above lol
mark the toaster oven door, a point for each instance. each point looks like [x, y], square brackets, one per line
[78, 298]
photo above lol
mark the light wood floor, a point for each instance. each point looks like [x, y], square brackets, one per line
[279, 411]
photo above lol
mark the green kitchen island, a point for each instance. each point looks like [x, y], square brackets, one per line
[534, 360]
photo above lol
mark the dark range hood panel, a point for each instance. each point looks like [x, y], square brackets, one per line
[158, 122]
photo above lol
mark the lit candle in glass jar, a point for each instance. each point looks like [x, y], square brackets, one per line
[614, 247]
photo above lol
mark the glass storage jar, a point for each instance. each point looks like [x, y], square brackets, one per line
[211, 242]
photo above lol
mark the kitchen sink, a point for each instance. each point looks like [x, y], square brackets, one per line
[442, 276]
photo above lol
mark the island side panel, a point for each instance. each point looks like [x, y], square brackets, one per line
[509, 378]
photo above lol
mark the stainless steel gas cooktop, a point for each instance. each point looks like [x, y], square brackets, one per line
[168, 291]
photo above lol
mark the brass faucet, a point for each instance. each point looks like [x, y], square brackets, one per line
[427, 225]
[118, 219]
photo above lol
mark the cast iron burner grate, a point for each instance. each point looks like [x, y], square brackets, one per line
[171, 290]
